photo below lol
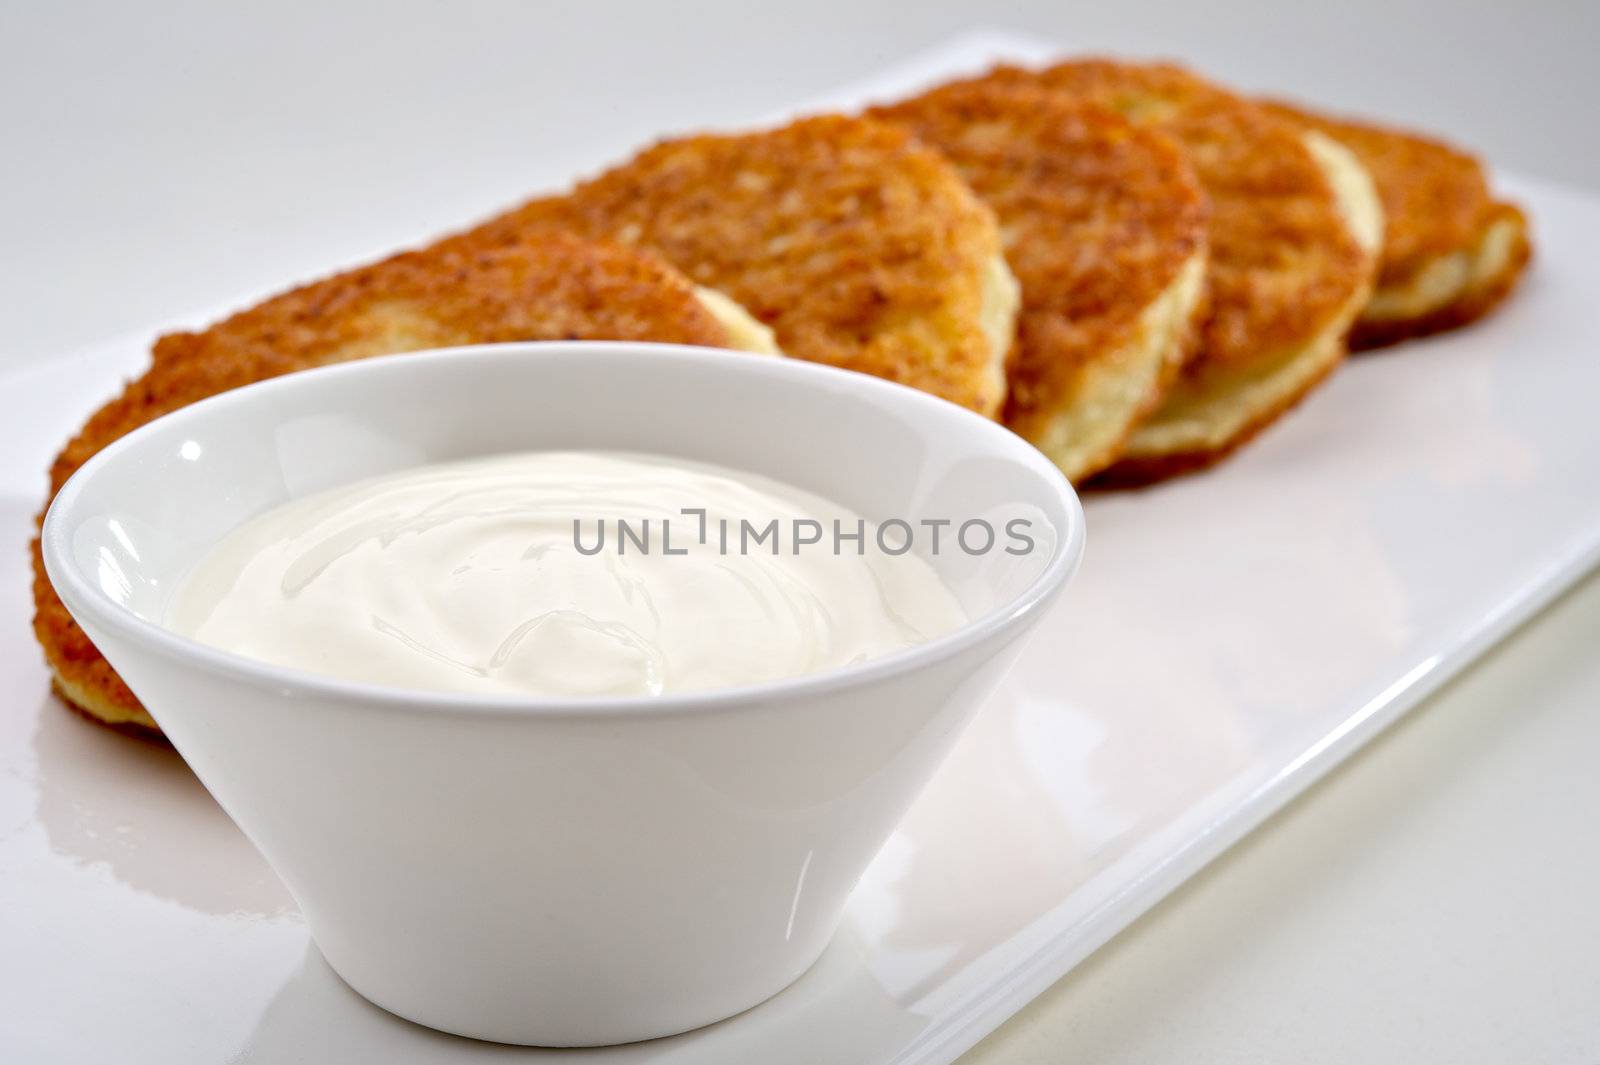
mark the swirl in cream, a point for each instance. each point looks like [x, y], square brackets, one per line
[472, 576]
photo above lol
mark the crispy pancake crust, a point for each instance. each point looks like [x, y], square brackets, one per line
[1099, 220]
[1138, 471]
[1482, 297]
[858, 246]
[1437, 203]
[1285, 266]
[1283, 260]
[556, 288]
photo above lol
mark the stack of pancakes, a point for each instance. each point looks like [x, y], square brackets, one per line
[1132, 267]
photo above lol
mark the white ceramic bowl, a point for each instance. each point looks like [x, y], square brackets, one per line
[547, 872]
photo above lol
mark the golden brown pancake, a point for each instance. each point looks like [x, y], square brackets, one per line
[858, 246]
[1104, 225]
[553, 288]
[1451, 251]
[1293, 240]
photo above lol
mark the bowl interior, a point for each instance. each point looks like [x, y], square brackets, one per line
[142, 512]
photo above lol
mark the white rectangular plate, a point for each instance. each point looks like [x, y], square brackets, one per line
[1231, 637]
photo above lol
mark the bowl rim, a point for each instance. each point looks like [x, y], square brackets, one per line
[82, 595]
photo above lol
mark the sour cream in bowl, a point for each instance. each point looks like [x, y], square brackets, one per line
[569, 687]
[560, 574]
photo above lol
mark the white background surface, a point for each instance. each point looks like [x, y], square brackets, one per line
[1432, 902]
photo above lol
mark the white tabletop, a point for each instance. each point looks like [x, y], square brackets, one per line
[1432, 901]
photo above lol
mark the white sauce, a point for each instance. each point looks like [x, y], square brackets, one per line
[466, 577]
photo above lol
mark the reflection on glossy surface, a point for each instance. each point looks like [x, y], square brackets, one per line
[315, 1016]
[133, 805]
[991, 847]
[836, 1008]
